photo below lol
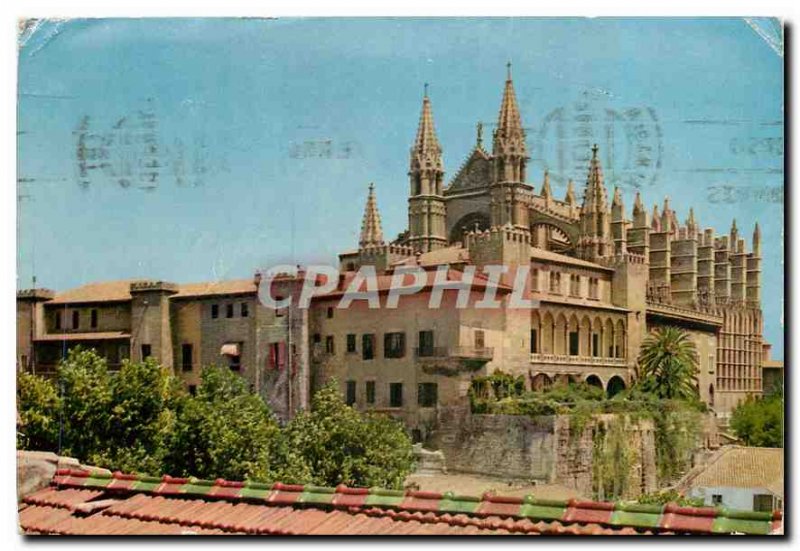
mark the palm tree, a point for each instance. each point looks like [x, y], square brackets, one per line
[668, 364]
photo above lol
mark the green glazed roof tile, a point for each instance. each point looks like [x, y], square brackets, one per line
[197, 487]
[543, 512]
[459, 504]
[147, 483]
[384, 498]
[317, 494]
[639, 520]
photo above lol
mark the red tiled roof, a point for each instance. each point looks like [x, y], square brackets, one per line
[78, 502]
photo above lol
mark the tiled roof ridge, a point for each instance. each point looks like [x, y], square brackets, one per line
[660, 518]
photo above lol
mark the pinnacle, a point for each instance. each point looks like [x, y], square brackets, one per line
[371, 232]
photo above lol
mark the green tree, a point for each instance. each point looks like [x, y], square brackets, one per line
[84, 385]
[225, 431]
[668, 364]
[144, 399]
[38, 407]
[759, 421]
[341, 446]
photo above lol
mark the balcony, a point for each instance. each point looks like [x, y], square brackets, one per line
[563, 359]
[459, 352]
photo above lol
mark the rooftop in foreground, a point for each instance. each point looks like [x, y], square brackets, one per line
[78, 502]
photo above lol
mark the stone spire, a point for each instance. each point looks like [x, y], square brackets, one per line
[426, 151]
[639, 212]
[734, 233]
[569, 198]
[757, 241]
[666, 217]
[509, 149]
[617, 200]
[656, 224]
[595, 239]
[546, 191]
[595, 197]
[691, 223]
[371, 232]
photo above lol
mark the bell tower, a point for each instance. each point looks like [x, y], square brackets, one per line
[427, 212]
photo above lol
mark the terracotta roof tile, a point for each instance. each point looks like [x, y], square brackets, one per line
[78, 503]
[739, 467]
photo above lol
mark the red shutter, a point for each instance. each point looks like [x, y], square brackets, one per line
[281, 355]
[272, 360]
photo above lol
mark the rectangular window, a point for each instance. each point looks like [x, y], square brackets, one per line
[329, 345]
[595, 344]
[93, 319]
[76, 319]
[427, 395]
[370, 392]
[368, 346]
[330, 312]
[186, 357]
[244, 309]
[479, 339]
[534, 279]
[235, 362]
[214, 311]
[716, 499]
[58, 320]
[555, 282]
[575, 285]
[762, 503]
[573, 343]
[534, 341]
[394, 345]
[317, 338]
[229, 310]
[395, 395]
[425, 343]
[146, 351]
[351, 343]
[593, 288]
[350, 393]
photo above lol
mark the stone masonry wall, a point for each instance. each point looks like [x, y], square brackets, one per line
[541, 448]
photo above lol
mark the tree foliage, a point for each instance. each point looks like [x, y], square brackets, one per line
[225, 431]
[141, 420]
[759, 421]
[341, 446]
[668, 364]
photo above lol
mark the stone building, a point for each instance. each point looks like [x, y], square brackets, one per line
[601, 279]
[183, 327]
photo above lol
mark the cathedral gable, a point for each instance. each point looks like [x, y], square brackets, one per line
[473, 174]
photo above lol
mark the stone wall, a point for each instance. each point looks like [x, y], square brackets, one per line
[541, 449]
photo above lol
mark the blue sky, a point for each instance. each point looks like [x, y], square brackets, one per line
[212, 147]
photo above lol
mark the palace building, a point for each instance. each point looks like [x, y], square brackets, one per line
[603, 277]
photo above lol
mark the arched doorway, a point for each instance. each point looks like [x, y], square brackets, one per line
[541, 382]
[594, 380]
[615, 386]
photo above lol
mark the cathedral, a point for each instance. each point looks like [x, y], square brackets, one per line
[601, 280]
[604, 277]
